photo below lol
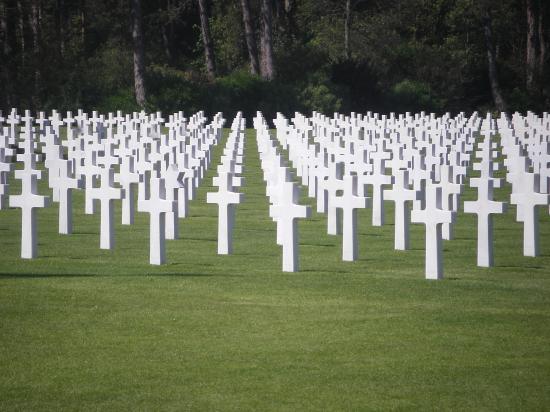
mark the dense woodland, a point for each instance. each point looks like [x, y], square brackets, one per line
[275, 55]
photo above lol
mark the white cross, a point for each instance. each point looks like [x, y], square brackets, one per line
[433, 216]
[157, 206]
[378, 179]
[527, 199]
[5, 167]
[329, 187]
[449, 192]
[226, 199]
[175, 189]
[28, 201]
[349, 202]
[127, 178]
[484, 207]
[286, 211]
[401, 194]
[106, 194]
[65, 183]
[89, 170]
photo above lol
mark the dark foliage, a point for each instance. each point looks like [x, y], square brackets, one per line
[402, 55]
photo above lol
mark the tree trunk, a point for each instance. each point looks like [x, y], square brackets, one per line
[492, 66]
[139, 63]
[21, 30]
[250, 38]
[207, 41]
[5, 31]
[166, 33]
[82, 4]
[166, 43]
[289, 5]
[6, 54]
[35, 27]
[542, 39]
[347, 27]
[60, 26]
[266, 40]
[531, 55]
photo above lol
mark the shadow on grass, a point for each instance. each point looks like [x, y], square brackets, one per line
[97, 275]
[198, 239]
[46, 275]
[518, 266]
[316, 244]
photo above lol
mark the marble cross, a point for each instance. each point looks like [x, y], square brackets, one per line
[65, 183]
[127, 178]
[527, 199]
[402, 195]
[226, 199]
[107, 193]
[449, 192]
[349, 202]
[286, 211]
[433, 216]
[175, 189]
[484, 207]
[157, 206]
[28, 201]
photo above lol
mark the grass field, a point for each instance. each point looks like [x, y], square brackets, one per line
[87, 329]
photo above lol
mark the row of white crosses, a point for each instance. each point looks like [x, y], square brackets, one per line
[227, 180]
[100, 152]
[343, 155]
[429, 159]
[526, 144]
[485, 206]
[283, 195]
[29, 200]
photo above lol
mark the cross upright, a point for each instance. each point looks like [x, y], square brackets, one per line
[175, 189]
[13, 120]
[450, 192]
[377, 179]
[226, 198]
[527, 199]
[157, 206]
[106, 193]
[28, 201]
[484, 207]
[329, 187]
[349, 202]
[64, 185]
[286, 211]
[127, 178]
[90, 170]
[433, 216]
[5, 167]
[402, 195]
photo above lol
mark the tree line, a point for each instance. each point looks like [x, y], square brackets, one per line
[275, 55]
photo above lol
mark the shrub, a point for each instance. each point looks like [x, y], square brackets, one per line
[414, 96]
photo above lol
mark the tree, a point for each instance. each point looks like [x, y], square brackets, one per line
[250, 38]
[347, 27]
[207, 41]
[139, 63]
[535, 48]
[491, 61]
[266, 41]
[35, 26]
[350, 5]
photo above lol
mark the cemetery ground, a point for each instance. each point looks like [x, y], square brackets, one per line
[83, 328]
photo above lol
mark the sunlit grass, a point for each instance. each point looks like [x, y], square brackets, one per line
[82, 328]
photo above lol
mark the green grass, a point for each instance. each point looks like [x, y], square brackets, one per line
[82, 328]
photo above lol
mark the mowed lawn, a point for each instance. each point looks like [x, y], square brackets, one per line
[87, 329]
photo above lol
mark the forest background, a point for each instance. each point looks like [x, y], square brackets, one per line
[275, 55]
